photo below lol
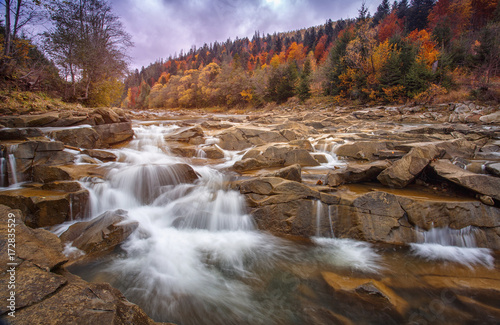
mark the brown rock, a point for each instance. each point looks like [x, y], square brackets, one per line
[482, 184]
[253, 164]
[78, 137]
[38, 246]
[115, 133]
[213, 152]
[361, 150]
[355, 173]
[368, 288]
[47, 174]
[100, 235]
[107, 115]
[100, 154]
[192, 135]
[301, 157]
[241, 138]
[43, 208]
[405, 170]
[292, 173]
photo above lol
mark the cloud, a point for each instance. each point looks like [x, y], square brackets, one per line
[161, 28]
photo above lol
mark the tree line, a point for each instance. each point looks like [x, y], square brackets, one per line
[406, 51]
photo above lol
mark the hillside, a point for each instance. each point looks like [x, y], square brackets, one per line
[417, 52]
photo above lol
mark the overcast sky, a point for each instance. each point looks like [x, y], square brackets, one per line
[160, 28]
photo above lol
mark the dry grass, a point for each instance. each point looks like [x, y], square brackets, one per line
[25, 102]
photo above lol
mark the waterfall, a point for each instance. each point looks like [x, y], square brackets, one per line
[319, 212]
[3, 171]
[320, 215]
[13, 169]
[196, 254]
[452, 245]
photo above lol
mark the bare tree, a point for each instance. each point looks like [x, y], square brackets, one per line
[89, 42]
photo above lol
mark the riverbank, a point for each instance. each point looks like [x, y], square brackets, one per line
[343, 180]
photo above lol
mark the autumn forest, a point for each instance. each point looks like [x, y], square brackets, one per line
[407, 51]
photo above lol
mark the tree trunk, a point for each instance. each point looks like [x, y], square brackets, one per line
[7, 28]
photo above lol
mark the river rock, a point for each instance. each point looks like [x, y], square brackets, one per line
[213, 152]
[193, 135]
[82, 137]
[370, 114]
[301, 157]
[100, 235]
[239, 138]
[493, 169]
[369, 289]
[47, 174]
[43, 208]
[292, 173]
[37, 246]
[482, 184]
[100, 154]
[355, 173]
[107, 114]
[286, 207]
[406, 169]
[50, 294]
[111, 134]
[254, 164]
[19, 134]
[361, 150]
[451, 148]
[493, 118]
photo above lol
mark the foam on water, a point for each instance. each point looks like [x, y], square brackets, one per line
[468, 256]
[348, 253]
[452, 245]
[196, 255]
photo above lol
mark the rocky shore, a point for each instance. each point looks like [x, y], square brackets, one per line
[402, 171]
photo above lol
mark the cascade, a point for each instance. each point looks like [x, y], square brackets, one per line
[452, 245]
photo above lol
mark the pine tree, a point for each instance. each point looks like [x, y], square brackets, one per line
[382, 11]
[304, 89]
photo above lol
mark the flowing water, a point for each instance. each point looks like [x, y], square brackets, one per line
[198, 258]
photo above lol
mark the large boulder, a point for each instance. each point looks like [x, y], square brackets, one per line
[80, 137]
[114, 133]
[406, 169]
[100, 235]
[286, 207]
[482, 184]
[355, 173]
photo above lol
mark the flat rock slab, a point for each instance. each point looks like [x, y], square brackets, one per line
[405, 170]
[483, 184]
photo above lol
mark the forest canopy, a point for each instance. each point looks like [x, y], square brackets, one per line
[407, 51]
